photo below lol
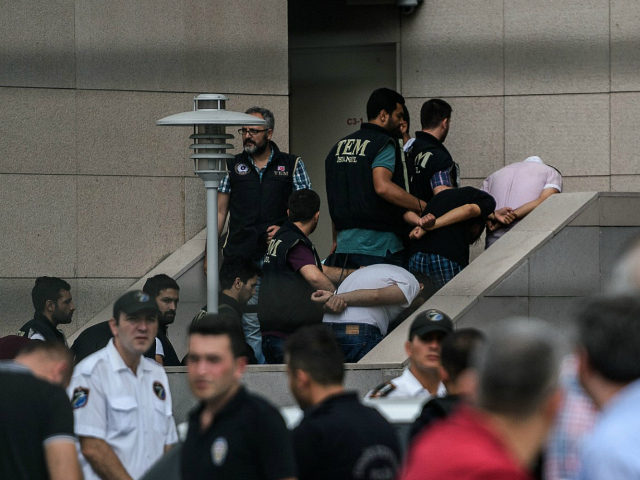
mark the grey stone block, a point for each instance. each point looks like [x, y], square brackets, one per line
[588, 217]
[556, 47]
[37, 127]
[37, 41]
[119, 136]
[127, 224]
[555, 211]
[453, 48]
[559, 129]
[223, 50]
[489, 310]
[476, 138]
[130, 45]
[601, 183]
[625, 122]
[620, 210]
[91, 295]
[15, 304]
[613, 242]
[515, 284]
[566, 265]
[195, 207]
[625, 57]
[40, 212]
[625, 183]
[557, 310]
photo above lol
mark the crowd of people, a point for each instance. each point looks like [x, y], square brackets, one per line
[494, 400]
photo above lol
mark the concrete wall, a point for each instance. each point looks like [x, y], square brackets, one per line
[91, 190]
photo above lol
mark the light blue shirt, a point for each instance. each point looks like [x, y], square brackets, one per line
[612, 450]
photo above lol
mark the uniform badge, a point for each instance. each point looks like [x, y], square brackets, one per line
[383, 390]
[242, 169]
[80, 397]
[159, 390]
[219, 451]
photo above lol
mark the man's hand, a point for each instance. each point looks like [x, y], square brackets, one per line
[427, 221]
[417, 233]
[332, 303]
[505, 215]
[271, 231]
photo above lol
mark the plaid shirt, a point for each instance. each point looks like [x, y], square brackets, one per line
[440, 270]
[301, 179]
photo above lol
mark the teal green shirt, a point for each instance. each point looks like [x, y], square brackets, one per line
[372, 242]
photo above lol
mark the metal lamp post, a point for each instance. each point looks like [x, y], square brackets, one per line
[209, 119]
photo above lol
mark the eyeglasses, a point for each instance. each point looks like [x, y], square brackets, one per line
[251, 131]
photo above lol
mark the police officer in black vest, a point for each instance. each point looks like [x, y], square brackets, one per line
[430, 166]
[366, 186]
[292, 272]
[254, 193]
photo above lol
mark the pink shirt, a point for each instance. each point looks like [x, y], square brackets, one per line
[519, 183]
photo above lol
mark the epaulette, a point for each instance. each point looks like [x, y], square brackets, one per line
[382, 390]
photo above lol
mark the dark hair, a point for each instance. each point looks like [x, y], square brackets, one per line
[237, 267]
[457, 349]
[214, 324]
[47, 288]
[303, 205]
[518, 365]
[433, 112]
[266, 114]
[609, 331]
[54, 351]
[383, 99]
[314, 349]
[154, 285]
[407, 118]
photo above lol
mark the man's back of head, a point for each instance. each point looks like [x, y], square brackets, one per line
[433, 112]
[457, 352]
[315, 350]
[383, 99]
[303, 205]
[48, 360]
[518, 367]
[609, 334]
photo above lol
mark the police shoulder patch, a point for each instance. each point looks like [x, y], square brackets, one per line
[80, 397]
[219, 450]
[382, 390]
[242, 168]
[159, 390]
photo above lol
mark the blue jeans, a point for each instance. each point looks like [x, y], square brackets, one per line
[273, 348]
[355, 339]
[251, 327]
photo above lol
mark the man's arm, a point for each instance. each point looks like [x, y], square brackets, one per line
[314, 277]
[391, 295]
[62, 460]
[524, 210]
[103, 459]
[223, 210]
[392, 193]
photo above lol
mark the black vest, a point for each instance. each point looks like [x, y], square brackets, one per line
[44, 327]
[285, 302]
[353, 201]
[427, 156]
[254, 205]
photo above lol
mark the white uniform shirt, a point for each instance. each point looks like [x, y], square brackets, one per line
[372, 277]
[132, 413]
[405, 386]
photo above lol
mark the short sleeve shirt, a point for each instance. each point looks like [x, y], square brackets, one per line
[132, 413]
[299, 256]
[33, 413]
[247, 440]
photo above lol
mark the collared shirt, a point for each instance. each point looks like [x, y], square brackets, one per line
[611, 450]
[131, 412]
[301, 179]
[405, 386]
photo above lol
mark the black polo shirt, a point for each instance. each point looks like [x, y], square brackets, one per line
[452, 242]
[342, 439]
[247, 440]
[32, 412]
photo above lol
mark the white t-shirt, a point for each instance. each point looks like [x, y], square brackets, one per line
[132, 413]
[372, 277]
